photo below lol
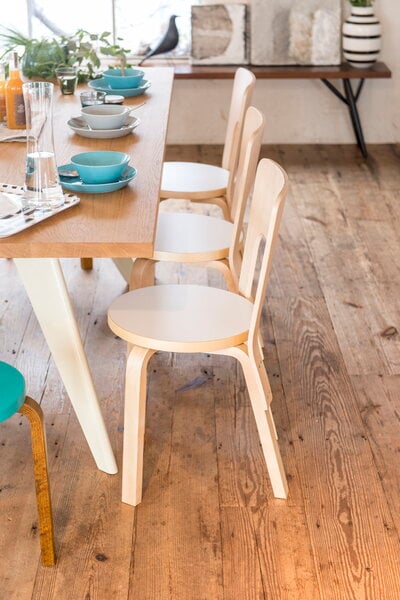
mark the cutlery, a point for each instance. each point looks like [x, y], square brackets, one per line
[68, 173]
[137, 106]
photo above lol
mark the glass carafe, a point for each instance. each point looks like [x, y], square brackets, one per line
[42, 184]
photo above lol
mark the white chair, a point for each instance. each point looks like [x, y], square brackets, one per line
[204, 240]
[208, 183]
[190, 318]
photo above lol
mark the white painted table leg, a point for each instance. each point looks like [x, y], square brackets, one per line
[124, 266]
[45, 285]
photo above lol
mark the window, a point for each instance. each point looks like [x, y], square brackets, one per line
[139, 23]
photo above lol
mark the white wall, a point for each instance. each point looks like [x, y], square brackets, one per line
[297, 111]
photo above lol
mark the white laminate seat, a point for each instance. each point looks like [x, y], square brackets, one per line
[181, 318]
[184, 237]
[193, 180]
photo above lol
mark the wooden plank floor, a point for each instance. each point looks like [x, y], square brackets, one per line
[208, 527]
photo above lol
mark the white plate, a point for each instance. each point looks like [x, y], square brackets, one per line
[78, 125]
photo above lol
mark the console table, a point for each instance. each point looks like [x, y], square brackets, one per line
[327, 75]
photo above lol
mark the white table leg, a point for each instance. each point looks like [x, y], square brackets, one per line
[124, 266]
[45, 285]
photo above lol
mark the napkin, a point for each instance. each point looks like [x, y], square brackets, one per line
[12, 135]
[8, 205]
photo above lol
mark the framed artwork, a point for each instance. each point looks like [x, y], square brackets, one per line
[219, 35]
[290, 32]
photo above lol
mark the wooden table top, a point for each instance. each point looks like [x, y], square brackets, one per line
[117, 224]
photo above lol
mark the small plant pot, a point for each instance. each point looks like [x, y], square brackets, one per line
[361, 37]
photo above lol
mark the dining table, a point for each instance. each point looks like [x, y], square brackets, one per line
[119, 225]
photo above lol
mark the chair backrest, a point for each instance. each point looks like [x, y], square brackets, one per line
[249, 150]
[270, 189]
[242, 92]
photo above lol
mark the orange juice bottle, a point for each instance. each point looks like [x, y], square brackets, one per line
[2, 94]
[14, 97]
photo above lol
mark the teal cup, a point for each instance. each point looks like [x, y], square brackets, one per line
[117, 81]
[100, 166]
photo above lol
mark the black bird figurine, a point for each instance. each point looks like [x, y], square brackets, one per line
[168, 42]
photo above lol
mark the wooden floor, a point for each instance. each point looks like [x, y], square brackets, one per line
[208, 527]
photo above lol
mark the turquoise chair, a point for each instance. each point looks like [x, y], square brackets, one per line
[13, 400]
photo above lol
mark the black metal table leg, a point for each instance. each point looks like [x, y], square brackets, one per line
[350, 99]
[355, 118]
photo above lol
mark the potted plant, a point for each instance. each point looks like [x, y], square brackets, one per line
[41, 57]
[361, 35]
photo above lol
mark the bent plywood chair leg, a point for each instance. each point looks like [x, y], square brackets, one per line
[134, 424]
[87, 264]
[260, 394]
[223, 267]
[34, 414]
[221, 202]
[142, 273]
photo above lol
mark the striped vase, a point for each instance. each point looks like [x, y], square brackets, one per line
[361, 37]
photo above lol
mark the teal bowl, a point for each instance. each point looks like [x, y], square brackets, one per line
[100, 166]
[131, 79]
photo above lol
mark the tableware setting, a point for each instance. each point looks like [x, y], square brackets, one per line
[101, 85]
[80, 127]
[97, 172]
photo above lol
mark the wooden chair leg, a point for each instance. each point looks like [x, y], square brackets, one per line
[87, 264]
[221, 202]
[142, 273]
[34, 414]
[223, 267]
[259, 393]
[260, 398]
[134, 424]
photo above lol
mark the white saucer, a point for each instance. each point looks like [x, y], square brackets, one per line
[79, 126]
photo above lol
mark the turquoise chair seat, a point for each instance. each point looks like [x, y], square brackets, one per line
[12, 391]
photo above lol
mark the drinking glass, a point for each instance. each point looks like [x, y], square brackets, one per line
[42, 184]
[92, 98]
[67, 78]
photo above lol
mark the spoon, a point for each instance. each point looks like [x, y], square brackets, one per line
[81, 123]
[123, 65]
[68, 173]
[137, 106]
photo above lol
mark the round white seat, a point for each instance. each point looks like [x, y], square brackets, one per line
[181, 318]
[193, 180]
[189, 237]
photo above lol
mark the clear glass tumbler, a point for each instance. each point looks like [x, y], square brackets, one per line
[92, 98]
[42, 183]
[67, 78]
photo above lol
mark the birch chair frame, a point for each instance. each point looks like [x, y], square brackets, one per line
[203, 240]
[188, 180]
[12, 380]
[205, 183]
[189, 318]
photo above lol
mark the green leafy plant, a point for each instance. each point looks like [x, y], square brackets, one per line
[361, 2]
[41, 57]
